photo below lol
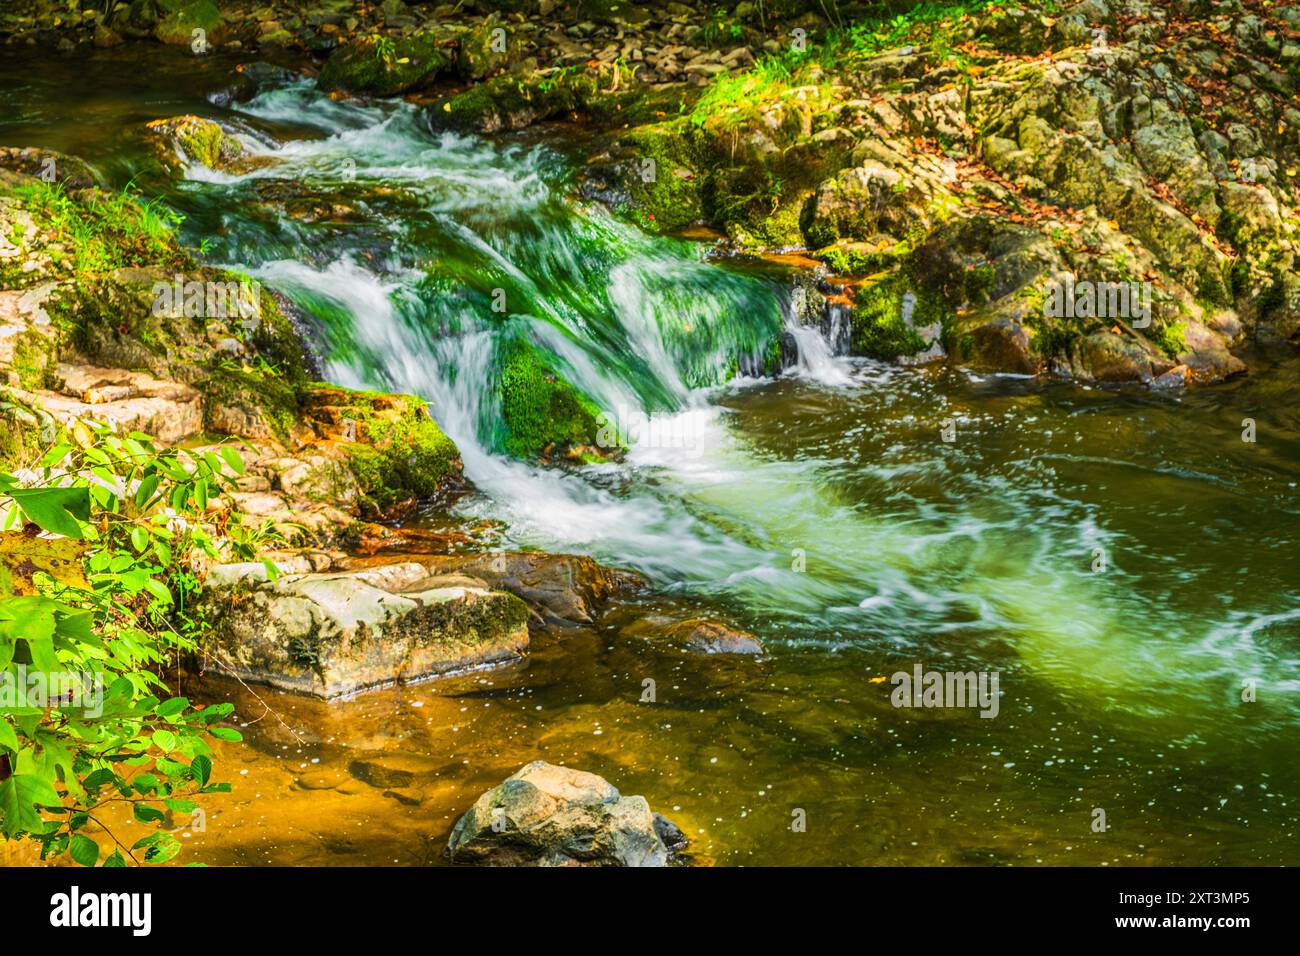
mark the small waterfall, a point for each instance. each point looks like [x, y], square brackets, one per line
[816, 356]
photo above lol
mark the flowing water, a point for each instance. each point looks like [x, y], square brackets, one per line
[1123, 560]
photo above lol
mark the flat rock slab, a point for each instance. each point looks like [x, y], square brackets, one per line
[334, 634]
[560, 588]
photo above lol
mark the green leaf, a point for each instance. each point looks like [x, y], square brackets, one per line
[83, 849]
[148, 485]
[172, 469]
[147, 814]
[139, 539]
[20, 795]
[117, 859]
[226, 733]
[171, 708]
[55, 455]
[215, 712]
[7, 736]
[158, 590]
[164, 740]
[99, 778]
[163, 850]
[201, 767]
[57, 510]
[233, 459]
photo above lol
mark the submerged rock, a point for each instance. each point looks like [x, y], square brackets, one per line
[545, 815]
[337, 633]
[687, 631]
[700, 636]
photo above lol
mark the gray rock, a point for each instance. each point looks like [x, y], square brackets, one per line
[338, 633]
[545, 815]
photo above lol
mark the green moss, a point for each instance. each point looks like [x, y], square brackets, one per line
[858, 258]
[1171, 337]
[34, 357]
[179, 26]
[386, 66]
[20, 433]
[878, 329]
[274, 337]
[513, 102]
[979, 283]
[203, 143]
[663, 185]
[201, 140]
[400, 452]
[541, 412]
[260, 390]
[1211, 289]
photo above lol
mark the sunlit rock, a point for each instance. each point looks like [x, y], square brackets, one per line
[545, 815]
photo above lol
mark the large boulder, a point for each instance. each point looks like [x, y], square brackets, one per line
[546, 815]
[332, 634]
[386, 66]
[859, 202]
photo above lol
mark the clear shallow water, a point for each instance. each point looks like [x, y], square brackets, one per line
[823, 511]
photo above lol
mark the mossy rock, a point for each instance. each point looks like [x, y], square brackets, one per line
[878, 329]
[661, 178]
[67, 171]
[543, 415]
[116, 321]
[512, 102]
[486, 49]
[35, 356]
[249, 402]
[516, 100]
[395, 449]
[386, 66]
[198, 139]
[21, 432]
[184, 17]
